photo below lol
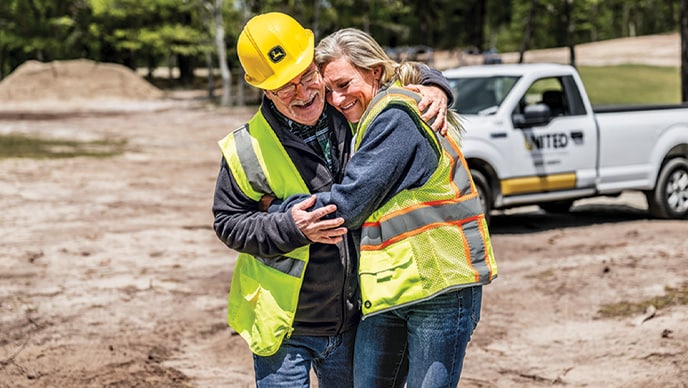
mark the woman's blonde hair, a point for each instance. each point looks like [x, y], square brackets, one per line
[409, 72]
[359, 49]
[362, 50]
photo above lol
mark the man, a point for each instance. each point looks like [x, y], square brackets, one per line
[294, 293]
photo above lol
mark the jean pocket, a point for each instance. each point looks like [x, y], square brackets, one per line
[476, 303]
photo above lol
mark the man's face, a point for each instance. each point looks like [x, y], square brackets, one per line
[303, 98]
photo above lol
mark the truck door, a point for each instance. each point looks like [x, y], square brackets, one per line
[562, 152]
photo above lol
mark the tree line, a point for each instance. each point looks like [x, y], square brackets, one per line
[188, 34]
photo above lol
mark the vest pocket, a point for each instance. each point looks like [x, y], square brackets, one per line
[262, 303]
[388, 277]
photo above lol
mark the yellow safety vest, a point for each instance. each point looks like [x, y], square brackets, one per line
[264, 292]
[427, 240]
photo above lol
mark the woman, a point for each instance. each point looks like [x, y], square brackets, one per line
[425, 250]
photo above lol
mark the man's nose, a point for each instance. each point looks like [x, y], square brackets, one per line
[301, 90]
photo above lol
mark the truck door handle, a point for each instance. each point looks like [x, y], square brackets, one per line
[498, 135]
[577, 136]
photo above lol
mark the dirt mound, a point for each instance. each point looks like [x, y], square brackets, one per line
[75, 80]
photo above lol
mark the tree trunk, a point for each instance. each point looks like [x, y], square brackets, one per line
[316, 19]
[222, 55]
[525, 43]
[170, 66]
[211, 76]
[684, 50]
[477, 37]
[186, 66]
[2, 63]
[570, 28]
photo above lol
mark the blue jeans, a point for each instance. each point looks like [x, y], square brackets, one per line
[330, 357]
[422, 345]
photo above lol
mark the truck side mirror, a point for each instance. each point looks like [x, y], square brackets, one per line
[534, 115]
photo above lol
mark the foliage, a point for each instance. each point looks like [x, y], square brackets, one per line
[179, 32]
[673, 296]
[153, 29]
[593, 20]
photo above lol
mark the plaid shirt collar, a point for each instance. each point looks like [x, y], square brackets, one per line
[316, 136]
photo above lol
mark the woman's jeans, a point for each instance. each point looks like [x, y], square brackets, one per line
[331, 358]
[422, 345]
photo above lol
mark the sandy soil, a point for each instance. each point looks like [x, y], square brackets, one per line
[111, 275]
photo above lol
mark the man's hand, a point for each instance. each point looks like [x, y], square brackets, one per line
[433, 105]
[265, 201]
[310, 223]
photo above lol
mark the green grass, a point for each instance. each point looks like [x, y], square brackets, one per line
[632, 84]
[21, 146]
[672, 297]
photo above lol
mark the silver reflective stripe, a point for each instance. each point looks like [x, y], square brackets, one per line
[415, 219]
[407, 93]
[284, 264]
[249, 161]
[384, 94]
[459, 175]
[477, 246]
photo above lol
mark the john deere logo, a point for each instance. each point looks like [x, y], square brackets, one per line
[276, 54]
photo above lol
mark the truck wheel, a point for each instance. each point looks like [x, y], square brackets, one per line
[557, 207]
[670, 196]
[483, 192]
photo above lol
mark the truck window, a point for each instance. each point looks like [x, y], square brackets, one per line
[480, 95]
[558, 93]
[548, 91]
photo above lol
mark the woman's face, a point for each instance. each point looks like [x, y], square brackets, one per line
[349, 88]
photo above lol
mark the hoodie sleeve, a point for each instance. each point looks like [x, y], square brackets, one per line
[241, 226]
[393, 156]
[433, 77]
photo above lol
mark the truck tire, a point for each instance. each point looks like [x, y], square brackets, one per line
[557, 207]
[484, 192]
[669, 199]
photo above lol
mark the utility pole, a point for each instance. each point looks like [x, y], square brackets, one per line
[684, 50]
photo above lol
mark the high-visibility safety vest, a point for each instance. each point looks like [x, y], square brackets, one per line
[427, 240]
[264, 292]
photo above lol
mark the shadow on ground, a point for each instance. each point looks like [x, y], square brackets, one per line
[583, 215]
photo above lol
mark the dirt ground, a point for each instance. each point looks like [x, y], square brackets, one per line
[111, 275]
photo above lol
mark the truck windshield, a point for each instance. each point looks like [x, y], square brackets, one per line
[480, 96]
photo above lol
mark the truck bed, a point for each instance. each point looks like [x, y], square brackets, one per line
[635, 108]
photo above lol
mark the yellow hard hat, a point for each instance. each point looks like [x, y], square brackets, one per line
[273, 49]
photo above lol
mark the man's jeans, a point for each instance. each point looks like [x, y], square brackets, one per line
[430, 336]
[330, 357]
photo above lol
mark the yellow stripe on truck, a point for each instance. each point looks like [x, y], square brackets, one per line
[533, 184]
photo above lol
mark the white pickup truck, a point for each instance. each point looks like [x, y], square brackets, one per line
[533, 138]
